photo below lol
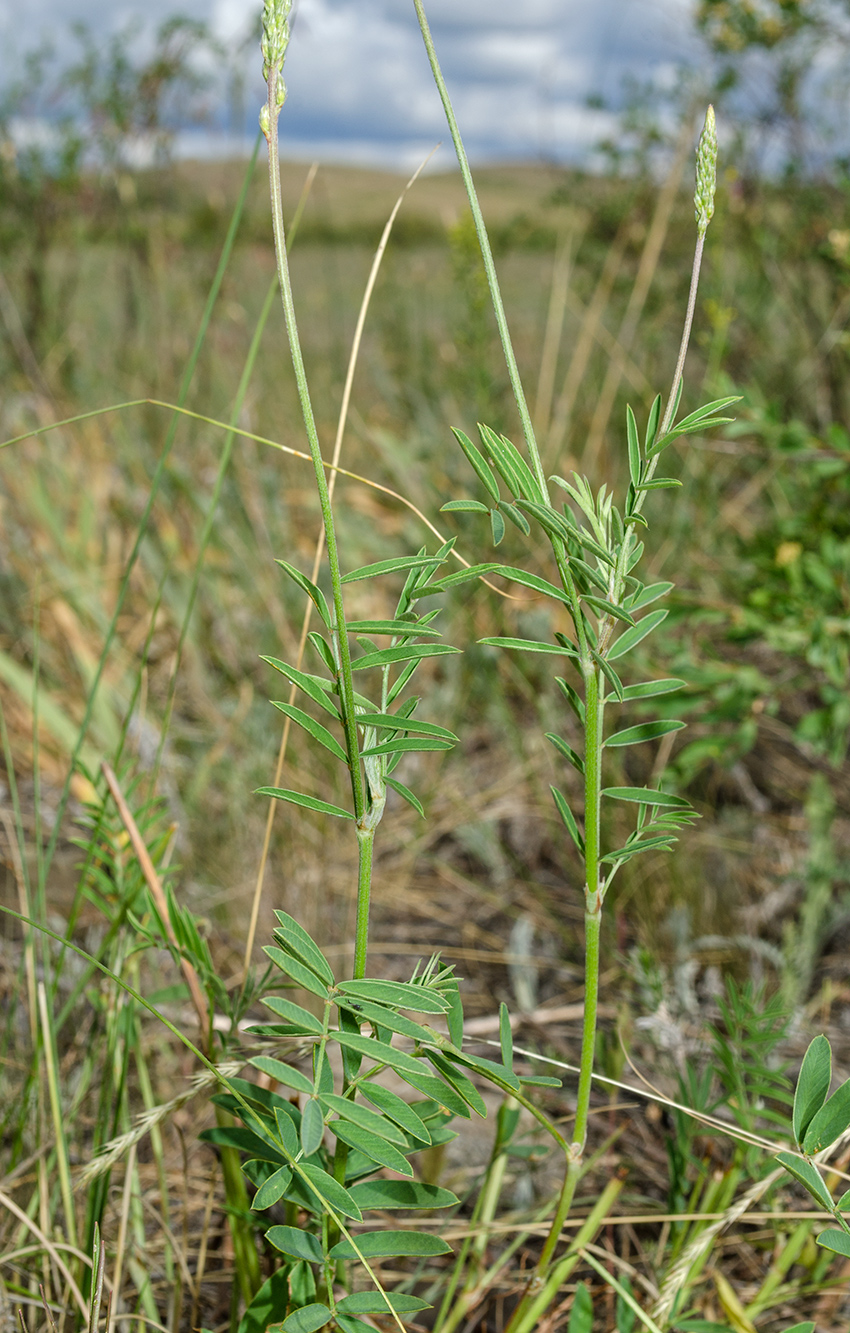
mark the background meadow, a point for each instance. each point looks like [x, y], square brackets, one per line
[719, 959]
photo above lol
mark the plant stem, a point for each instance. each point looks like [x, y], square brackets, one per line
[343, 653]
[594, 713]
[533, 1306]
[486, 254]
[365, 845]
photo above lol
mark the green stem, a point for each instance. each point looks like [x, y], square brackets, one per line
[594, 712]
[343, 649]
[486, 254]
[534, 1304]
[365, 844]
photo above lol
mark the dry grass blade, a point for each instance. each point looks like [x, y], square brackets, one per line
[49, 1248]
[121, 1244]
[154, 884]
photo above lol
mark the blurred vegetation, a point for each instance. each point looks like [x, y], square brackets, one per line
[103, 279]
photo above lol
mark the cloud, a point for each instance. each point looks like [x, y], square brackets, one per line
[359, 81]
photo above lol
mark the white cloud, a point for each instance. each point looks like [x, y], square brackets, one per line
[359, 79]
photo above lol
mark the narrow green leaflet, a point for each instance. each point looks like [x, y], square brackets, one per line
[509, 509]
[307, 1320]
[634, 447]
[235, 1136]
[510, 464]
[308, 802]
[313, 592]
[650, 593]
[363, 1010]
[569, 819]
[808, 1176]
[528, 646]
[829, 1122]
[374, 1302]
[572, 698]
[812, 1085]
[312, 1127]
[644, 731]
[392, 1245]
[438, 1091]
[295, 969]
[286, 1131]
[407, 795]
[464, 1087]
[401, 1194]
[660, 484]
[649, 688]
[283, 1073]
[399, 723]
[464, 507]
[272, 1190]
[423, 999]
[330, 1190]
[397, 628]
[295, 938]
[653, 422]
[388, 567]
[646, 796]
[397, 1109]
[293, 1013]
[316, 730]
[489, 1068]
[497, 526]
[630, 638]
[702, 419]
[534, 582]
[379, 1051]
[606, 608]
[608, 672]
[380, 1151]
[837, 1241]
[478, 463]
[315, 687]
[412, 652]
[292, 1240]
[506, 1037]
[408, 745]
[366, 1119]
[552, 523]
[567, 751]
[458, 577]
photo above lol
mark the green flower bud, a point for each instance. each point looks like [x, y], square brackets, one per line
[706, 173]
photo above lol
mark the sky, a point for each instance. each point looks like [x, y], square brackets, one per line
[360, 88]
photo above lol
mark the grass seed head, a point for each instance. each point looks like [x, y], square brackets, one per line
[273, 44]
[706, 172]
